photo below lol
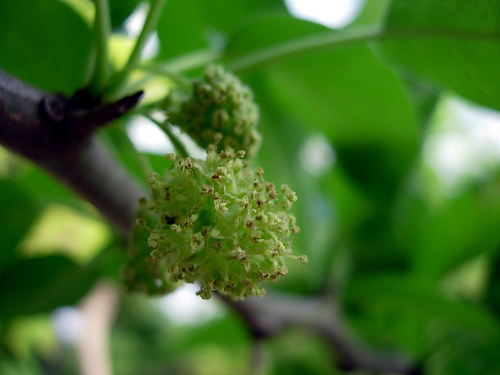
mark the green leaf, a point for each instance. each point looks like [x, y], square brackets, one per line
[43, 186]
[18, 210]
[120, 10]
[462, 228]
[372, 14]
[46, 189]
[412, 297]
[452, 43]
[39, 285]
[493, 288]
[346, 94]
[188, 25]
[45, 43]
[266, 31]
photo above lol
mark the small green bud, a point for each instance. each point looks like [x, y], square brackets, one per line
[207, 189]
[223, 208]
[303, 259]
[291, 197]
[171, 157]
[222, 171]
[273, 194]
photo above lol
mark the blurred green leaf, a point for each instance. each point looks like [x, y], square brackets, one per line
[36, 285]
[453, 43]
[441, 237]
[493, 288]
[463, 228]
[43, 186]
[454, 351]
[120, 9]
[188, 25]
[18, 211]
[411, 296]
[45, 43]
[372, 14]
[299, 352]
[267, 30]
[346, 94]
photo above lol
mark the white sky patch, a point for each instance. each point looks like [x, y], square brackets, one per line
[147, 137]
[133, 26]
[317, 155]
[68, 324]
[183, 306]
[330, 13]
[466, 144]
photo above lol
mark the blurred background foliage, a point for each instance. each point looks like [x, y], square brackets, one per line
[390, 136]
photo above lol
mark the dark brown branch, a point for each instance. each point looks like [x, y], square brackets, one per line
[55, 133]
[268, 316]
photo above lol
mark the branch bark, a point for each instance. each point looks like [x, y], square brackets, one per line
[56, 132]
[268, 316]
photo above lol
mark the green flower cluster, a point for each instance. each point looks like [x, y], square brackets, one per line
[220, 103]
[219, 223]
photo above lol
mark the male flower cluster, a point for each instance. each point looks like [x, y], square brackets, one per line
[219, 223]
[220, 103]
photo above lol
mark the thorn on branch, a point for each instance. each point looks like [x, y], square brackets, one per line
[70, 123]
[100, 116]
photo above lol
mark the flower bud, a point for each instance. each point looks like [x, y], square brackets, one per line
[197, 225]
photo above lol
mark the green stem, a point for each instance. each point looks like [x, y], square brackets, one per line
[157, 69]
[179, 147]
[102, 31]
[297, 47]
[150, 24]
[188, 61]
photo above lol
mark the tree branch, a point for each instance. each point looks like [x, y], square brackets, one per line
[55, 133]
[268, 316]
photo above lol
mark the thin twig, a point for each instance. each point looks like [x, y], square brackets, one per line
[150, 23]
[179, 147]
[98, 310]
[102, 31]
